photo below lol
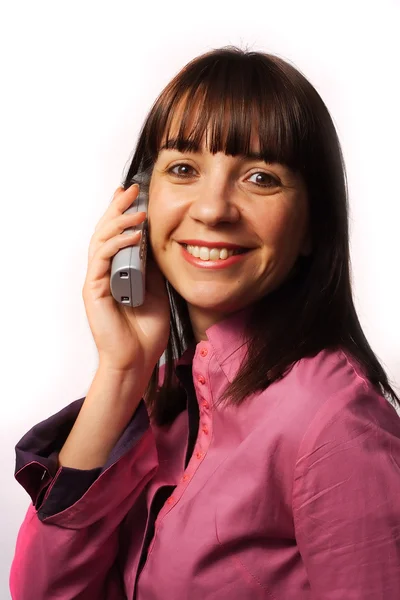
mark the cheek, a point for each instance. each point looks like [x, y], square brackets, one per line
[161, 221]
[272, 227]
[154, 229]
[281, 231]
[156, 217]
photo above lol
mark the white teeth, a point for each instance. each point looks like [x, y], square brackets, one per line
[214, 254]
[205, 253]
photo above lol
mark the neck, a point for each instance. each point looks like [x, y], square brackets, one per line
[201, 320]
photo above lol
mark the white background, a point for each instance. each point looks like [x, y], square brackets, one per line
[77, 79]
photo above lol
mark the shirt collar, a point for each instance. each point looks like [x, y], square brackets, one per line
[227, 337]
[227, 341]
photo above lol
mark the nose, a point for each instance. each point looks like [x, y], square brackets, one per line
[214, 202]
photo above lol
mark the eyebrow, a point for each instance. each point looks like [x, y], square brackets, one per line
[190, 146]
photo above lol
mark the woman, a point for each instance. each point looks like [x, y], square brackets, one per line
[264, 461]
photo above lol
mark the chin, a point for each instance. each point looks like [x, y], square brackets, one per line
[213, 302]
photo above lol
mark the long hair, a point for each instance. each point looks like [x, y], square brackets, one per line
[313, 308]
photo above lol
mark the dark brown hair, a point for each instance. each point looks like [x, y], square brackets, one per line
[313, 309]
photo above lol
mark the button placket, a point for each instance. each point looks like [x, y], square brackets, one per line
[201, 447]
[205, 425]
[204, 437]
[204, 405]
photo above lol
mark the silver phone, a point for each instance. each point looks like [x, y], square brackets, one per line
[128, 266]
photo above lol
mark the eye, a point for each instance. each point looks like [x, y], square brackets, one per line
[181, 170]
[181, 173]
[267, 177]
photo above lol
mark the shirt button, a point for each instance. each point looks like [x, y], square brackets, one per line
[201, 379]
[205, 404]
[185, 477]
[170, 500]
[199, 455]
[203, 352]
[205, 430]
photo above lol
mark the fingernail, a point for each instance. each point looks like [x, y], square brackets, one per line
[131, 233]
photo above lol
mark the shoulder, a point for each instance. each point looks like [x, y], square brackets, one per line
[329, 395]
[327, 373]
[338, 399]
[336, 374]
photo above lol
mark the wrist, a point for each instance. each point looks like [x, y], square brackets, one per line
[127, 376]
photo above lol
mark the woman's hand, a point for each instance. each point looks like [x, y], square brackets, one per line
[126, 338]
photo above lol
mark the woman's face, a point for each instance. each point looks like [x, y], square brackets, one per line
[213, 202]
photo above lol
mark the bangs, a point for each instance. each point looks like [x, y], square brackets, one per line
[240, 105]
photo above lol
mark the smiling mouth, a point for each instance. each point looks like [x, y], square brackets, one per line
[205, 253]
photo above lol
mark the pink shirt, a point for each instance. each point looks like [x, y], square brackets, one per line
[295, 494]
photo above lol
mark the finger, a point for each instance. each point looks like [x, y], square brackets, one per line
[118, 225]
[112, 228]
[121, 202]
[121, 190]
[99, 263]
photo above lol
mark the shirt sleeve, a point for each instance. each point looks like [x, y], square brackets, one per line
[72, 552]
[346, 498]
[37, 459]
